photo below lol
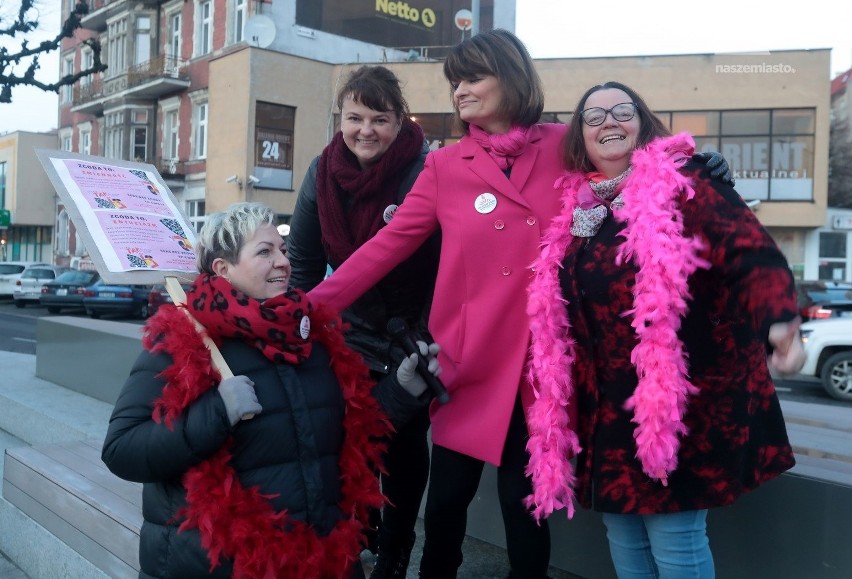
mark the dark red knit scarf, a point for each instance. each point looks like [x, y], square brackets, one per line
[351, 200]
[273, 326]
[238, 523]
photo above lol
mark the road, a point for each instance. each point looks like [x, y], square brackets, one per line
[18, 334]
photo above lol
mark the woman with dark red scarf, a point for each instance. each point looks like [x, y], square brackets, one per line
[349, 193]
[269, 473]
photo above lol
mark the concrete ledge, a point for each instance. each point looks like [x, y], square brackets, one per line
[39, 553]
[92, 357]
[794, 526]
[37, 411]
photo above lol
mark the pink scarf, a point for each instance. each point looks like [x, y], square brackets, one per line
[502, 147]
[665, 257]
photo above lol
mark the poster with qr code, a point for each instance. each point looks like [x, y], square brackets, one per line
[131, 224]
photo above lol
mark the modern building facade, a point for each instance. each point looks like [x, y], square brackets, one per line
[232, 100]
[26, 198]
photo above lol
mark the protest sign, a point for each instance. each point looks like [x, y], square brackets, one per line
[131, 224]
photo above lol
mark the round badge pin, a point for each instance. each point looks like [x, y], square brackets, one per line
[305, 327]
[485, 203]
[389, 212]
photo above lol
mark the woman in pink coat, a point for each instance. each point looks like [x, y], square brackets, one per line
[491, 195]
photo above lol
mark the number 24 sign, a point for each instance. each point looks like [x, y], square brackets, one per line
[273, 152]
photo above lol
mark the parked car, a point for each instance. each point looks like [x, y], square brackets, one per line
[130, 300]
[28, 287]
[160, 296]
[828, 344]
[67, 290]
[10, 273]
[824, 299]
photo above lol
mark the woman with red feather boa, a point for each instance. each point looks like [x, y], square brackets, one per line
[269, 473]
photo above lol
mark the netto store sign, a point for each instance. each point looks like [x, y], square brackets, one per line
[392, 23]
[403, 11]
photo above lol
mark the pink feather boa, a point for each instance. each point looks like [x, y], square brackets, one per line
[665, 258]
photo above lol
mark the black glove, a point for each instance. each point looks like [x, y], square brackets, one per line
[240, 400]
[717, 165]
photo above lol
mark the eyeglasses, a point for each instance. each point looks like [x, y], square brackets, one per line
[597, 115]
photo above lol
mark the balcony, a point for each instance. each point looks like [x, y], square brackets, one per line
[101, 10]
[150, 80]
[171, 168]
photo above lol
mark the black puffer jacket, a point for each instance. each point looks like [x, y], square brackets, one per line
[405, 292]
[290, 450]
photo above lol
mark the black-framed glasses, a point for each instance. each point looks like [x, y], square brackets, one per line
[621, 112]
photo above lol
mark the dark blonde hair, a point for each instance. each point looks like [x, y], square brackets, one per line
[499, 53]
[574, 154]
[377, 88]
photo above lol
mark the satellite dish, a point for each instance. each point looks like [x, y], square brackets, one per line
[260, 31]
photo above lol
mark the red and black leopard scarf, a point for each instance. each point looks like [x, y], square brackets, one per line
[239, 523]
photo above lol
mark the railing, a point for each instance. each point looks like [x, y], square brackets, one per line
[158, 67]
[91, 89]
[169, 167]
[95, 5]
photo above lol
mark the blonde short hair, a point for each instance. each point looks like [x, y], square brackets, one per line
[224, 233]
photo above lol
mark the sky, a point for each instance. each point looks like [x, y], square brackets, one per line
[566, 28]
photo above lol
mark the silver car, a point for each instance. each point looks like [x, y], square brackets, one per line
[10, 273]
[28, 287]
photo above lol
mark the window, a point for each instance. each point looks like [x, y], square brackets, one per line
[832, 255]
[87, 61]
[114, 134]
[174, 46]
[770, 151]
[139, 131]
[171, 126]
[239, 20]
[204, 27]
[67, 91]
[65, 140]
[140, 144]
[143, 39]
[440, 129]
[117, 47]
[3, 185]
[200, 136]
[195, 213]
[62, 229]
[85, 141]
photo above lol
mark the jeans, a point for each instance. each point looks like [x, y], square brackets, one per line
[666, 546]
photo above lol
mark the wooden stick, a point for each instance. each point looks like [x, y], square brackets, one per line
[179, 298]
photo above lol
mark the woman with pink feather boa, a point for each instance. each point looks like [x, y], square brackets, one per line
[658, 307]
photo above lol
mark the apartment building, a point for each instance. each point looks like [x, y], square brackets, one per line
[232, 100]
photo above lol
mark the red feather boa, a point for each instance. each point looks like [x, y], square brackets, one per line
[239, 523]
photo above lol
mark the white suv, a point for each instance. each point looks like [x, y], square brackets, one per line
[28, 287]
[10, 273]
[828, 344]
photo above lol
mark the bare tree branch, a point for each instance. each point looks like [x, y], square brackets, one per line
[10, 79]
